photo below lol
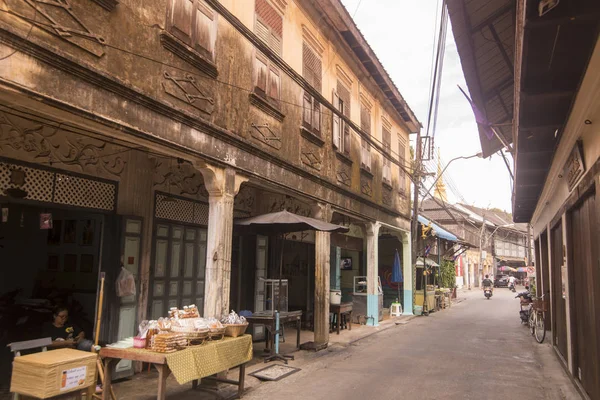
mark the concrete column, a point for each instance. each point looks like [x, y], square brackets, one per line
[222, 185]
[322, 249]
[407, 274]
[322, 276]
[372, 239]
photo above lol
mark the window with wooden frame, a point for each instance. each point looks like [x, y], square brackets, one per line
[312, 72]
[386, 137]
[267, 77]
[402, 162]
[194, 23]
[365, 125]
[341, 130]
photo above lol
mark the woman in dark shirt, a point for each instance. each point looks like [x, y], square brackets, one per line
[64, 334]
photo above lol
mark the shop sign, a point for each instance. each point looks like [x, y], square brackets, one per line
[530, 272]
[72, 378]
[574, 167]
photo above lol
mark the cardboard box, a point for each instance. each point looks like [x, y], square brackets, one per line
[52, 373]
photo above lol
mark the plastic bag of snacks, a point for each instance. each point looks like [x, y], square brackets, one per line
[233, 319]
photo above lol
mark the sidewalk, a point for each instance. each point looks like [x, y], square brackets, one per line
[142, 386]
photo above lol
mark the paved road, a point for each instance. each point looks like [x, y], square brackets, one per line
[475, 350]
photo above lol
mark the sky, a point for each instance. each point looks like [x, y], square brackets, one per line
[401, 32]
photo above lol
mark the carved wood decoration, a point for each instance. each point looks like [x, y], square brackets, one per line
[263, 133]
[178, 179]
[108, 4]
[37, 142]
[386, 196]
[366, 185]
[57, 18]
[187, 90]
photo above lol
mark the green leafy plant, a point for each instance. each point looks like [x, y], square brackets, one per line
[448, 274]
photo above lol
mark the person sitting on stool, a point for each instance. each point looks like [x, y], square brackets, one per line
[64, 334]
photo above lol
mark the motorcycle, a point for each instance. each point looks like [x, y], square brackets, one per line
[487, 292]
[525, 300]
[511, 287]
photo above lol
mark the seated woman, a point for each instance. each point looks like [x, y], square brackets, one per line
[64, 334]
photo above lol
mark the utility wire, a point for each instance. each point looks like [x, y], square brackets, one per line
[406, 166]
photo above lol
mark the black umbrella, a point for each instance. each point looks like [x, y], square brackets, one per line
[280, 223]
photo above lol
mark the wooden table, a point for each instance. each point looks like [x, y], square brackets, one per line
[269, 322]
[339, 309]
[112, 356]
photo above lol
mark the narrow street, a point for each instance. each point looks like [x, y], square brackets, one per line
[477, 349]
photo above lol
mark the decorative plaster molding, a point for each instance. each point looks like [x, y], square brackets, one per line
[311, 158]
[57, 18]
[265, 135]
[279, 5]
[263, 105]
[386, 196]
[186, 53]
[178, 179]
[312, 40]
[365, 98]
[343, 176]
[108, 4]
[39, 142]
[279, 202]
[344, 77]
[187, 90]
[366, 185]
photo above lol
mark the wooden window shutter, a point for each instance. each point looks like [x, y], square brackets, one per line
[261, 75]
[271, 25]
[346, 132]
[274, 84]
[401, 152]
[365, 119]
[204, 26]
[336, 121]
[311, 66]
[262, 31]
[180, 18]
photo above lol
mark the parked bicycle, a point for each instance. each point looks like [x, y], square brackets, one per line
[537, 319]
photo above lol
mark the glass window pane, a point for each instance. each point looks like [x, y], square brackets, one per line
[88, 232]
[186, 301]
[87, 263]
[189, 260]
[53, 262]
[173, 288]
[133, 226]
[187, 288]
[159, 289]
[162, 230]
[175, 259]
[157, 309]
[131, 252]
[54, 233]
[201, 260]
[203, 235]
[161, 257]
[70, 261]
[173, 303]
[70, 231]
[177, 232]
[190, 234]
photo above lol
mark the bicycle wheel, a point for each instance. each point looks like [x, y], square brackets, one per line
[531, 322]
[540, 327]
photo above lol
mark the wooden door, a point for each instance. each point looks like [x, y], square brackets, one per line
[178, 268]
[584, 275]
[545, 272]
[559, 302]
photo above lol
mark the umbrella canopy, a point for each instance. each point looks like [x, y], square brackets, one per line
[507, 269]
[285, 222]
[521, 269]
[397, 269]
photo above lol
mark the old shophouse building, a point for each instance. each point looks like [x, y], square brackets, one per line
[133, 135]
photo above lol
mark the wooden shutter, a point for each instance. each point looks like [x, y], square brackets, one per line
[204, 29]
[269, 25]
[346, 132]
[307, 109]
[261, 75]
[311, 65]
[365, 119]
[262, 31]
[401, 153]
[274, 84]
[336, 121]
[179, 19]
[387, 147]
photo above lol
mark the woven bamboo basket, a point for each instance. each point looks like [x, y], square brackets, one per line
[216, 333]
[235, 330]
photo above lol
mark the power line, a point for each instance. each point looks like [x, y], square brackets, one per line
[148, 58]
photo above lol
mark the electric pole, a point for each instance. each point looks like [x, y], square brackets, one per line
[414, 221]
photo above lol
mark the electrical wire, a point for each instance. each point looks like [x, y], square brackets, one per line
[406, 166]
[26, 36]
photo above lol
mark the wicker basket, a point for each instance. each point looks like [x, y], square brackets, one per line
[540, 305]
[216, 333]
[235, 330]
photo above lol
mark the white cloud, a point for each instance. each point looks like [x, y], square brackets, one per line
[401, 32]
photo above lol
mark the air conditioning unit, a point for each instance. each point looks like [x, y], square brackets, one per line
[546, 5]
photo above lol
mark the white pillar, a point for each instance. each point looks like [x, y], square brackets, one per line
[407, 274]
[372, 231]
[222, 185]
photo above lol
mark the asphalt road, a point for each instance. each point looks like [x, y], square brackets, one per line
[475, 350]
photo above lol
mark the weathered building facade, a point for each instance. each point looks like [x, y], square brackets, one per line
[150, 127]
